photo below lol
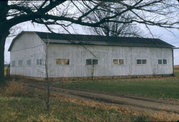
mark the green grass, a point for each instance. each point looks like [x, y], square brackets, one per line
[176, 72]
[31, 109]
[156, 87]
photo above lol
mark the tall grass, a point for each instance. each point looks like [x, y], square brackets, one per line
[15, 89]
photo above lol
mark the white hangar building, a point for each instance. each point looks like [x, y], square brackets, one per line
[69, 55]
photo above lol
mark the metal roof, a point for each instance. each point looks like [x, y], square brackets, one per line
[100, 40]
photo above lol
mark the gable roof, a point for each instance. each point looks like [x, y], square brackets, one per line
[98, 40]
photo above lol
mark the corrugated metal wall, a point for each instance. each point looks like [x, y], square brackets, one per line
[105, 55]
[30, 46]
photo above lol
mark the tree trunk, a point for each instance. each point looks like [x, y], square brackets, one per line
[4, 32]
[3, 35]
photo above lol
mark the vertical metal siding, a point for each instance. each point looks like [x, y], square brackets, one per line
[30, 46]
[105, 55]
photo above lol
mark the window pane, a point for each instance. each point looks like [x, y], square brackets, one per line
[88, 62]
[13, 63]
[37, 61]
[164, 61]
[66, 61]
[40, 61]
[20, 62]
[144, 61]
[115, 61]
[159, 61]
[29, 62]
[138, 61]
[121, 61]
[95, 61]
[59, 61]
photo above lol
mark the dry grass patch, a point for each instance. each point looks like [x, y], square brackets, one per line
[139, 116]
[16, 89]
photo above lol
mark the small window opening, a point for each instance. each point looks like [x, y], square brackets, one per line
[159, 61]
[20, 62]
[62, 61]
[29, 62]
[138, 61]
[115, 61]
[121, 61]
[39, 61]
[164, 61]
[91, 61]
[13, 63]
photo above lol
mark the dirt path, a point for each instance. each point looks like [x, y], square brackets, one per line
[143, 104]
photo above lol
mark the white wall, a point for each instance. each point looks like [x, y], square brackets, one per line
[28, 46]
[105, 55]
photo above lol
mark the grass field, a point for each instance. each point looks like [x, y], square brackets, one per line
[31, 110]
[150, 87]
[17, 105]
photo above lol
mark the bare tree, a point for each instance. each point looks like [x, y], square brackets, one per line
[64, 13]
[117, 29]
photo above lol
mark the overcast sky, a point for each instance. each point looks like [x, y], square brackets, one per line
[163, 34]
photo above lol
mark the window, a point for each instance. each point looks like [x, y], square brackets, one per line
[144, 61]
[95, 61]
[20, 62]
[28, 62]
[162, 61]
[159, 61]
[63, 61]
[13, 63]
[118, 61]
[66, 62]
[91, 61]
[59, 61]
[138, 61]
[39, 61]
[141, 61]
[115, 61]
[121, 61]
[88, 62]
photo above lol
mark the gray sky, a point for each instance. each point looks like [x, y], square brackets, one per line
[163, 34]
